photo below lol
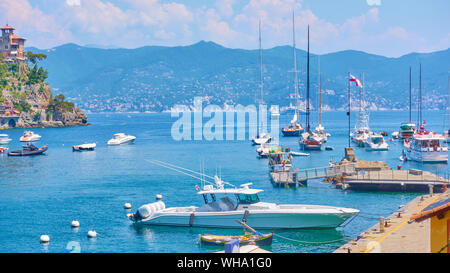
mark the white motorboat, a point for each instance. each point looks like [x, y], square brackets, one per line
[426, 147]
[84, 147]
[261, 138]
[376, 142]
[121, 138]
[29, 136]
[4, 139]
[223, 212]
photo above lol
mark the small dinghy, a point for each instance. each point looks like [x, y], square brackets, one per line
[329, 148]
[3, 149]
[29, 149]
[84, 147]
[254, 238]
[298, 154]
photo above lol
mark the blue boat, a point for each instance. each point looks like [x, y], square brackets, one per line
[28, 150]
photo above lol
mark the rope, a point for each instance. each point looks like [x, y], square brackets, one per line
[444, 247]
[305, 242]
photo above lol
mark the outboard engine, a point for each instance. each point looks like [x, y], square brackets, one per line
[146, 211]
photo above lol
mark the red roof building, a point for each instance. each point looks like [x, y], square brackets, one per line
[11, 45]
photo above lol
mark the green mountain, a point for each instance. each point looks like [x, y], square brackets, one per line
[154, 78]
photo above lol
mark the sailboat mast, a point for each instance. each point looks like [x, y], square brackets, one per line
[307, 89]
[349, 108]
[260, 66]
[410, 104]
[320, 100]
[420, 94]
[295, 65]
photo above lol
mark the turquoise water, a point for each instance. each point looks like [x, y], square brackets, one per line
[43, 194]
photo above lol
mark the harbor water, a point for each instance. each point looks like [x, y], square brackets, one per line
[44, 194]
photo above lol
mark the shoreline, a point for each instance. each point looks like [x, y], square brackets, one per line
[44, 126]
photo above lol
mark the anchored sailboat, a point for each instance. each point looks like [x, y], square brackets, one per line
[294, 128]
[319, 133]
[307, 140]
[362, 131]
[262, 137]
[447, 117]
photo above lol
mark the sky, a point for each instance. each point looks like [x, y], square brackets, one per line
[385, 27]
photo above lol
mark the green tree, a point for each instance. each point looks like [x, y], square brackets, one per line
[34, 58]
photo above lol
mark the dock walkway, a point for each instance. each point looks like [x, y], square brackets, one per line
[326, 172]
[400, 235]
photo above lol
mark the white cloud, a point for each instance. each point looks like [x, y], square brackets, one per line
[373, 2]
[73, 3]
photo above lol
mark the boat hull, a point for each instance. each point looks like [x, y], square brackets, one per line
[427, 157]
[255, 219]
[291, 133]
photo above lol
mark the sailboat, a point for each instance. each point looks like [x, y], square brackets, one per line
[307, 140]
[294, 128]
[407, 128]
[362, 131]
[319, 133]
[262, 137]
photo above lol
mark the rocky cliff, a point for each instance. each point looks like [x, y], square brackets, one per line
[34, 106]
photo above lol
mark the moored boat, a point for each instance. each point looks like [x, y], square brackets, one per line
[121, 138]
[426, 147]
[376, 142]
[84, 147]
[4, 139]
[220, 240]
[28, 150]
[222, 212]
[29, 136]
[3, 149]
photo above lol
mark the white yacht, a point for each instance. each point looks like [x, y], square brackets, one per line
[223, 212]
[360, 136]
[4, 139]
[121, 138]
[261, 138]
[426, 147]
[29, 136]
[376, 142]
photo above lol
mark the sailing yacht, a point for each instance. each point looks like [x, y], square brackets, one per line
[294, 128]
[407, 128]
[362, 131]
[261, 137]
[319, 133]
[307, 141]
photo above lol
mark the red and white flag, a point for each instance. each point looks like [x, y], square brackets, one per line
[354, 79]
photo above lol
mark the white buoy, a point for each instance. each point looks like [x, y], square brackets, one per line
[92, 234]
[45, 238]
[158, 197]
[75, 224]
[127, 206]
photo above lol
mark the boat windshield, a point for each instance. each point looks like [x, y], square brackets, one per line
[377, 140]
[247, 198]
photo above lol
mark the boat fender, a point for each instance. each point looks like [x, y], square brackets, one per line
[246, 213]
[191, 219]
[45, 238]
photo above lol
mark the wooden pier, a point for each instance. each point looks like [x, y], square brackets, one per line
[286, 179]
[395, 181]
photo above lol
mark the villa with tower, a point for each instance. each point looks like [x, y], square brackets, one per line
[12, 47]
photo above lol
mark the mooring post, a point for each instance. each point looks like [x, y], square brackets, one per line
[431, 190]
[381, 224]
